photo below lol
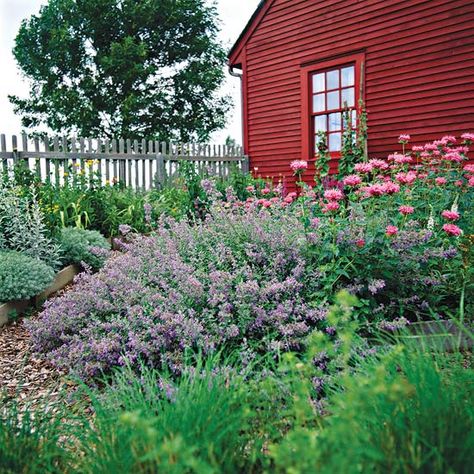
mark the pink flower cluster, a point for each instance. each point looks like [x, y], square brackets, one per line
[379, 189]
[469, 137]
[452, 229]
[363, 168]
[404, 138]
[298, 166]
[391, 230]
[406, 178]
[400, 159]
[451, 215]
[333, 195]
[352, 180]
[406, 210]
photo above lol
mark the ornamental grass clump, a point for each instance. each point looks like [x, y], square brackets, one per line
[147, 422]
[34, 440]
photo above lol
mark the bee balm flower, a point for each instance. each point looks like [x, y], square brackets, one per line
[450, 215]
[405, 210]
[452, 229]
[363, 167]
[333, 195]
[391, 230]
[352, 180]
[298, 166]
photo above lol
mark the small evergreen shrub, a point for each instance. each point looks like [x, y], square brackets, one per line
[83, 246]
[22, 276]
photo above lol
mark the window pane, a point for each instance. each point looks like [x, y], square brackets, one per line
[347, 97]
[332, 78]
[347, 76]
[334, 122]
[318, 103]
[320, 123]
[318, 82]
[335, 141]
[333, 100]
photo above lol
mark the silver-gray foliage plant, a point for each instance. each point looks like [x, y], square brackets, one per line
[22, 228]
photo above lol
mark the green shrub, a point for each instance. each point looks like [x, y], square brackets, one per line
[22, 276]
[80, 245]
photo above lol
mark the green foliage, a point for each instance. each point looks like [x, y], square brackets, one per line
[399, 414]
[148, 69]
[32, 441]
[80, 245]
[403, 410]
[149, 423]
[323, 158]
[354, 138]
[22, 276]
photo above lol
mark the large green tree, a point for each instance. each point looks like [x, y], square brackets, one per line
[123, 68]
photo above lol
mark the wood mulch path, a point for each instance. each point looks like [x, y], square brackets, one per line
[23, 375]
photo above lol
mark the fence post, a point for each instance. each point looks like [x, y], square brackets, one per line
[245, 164]
[160, 171]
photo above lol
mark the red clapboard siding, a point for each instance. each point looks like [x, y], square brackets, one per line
[418, 71]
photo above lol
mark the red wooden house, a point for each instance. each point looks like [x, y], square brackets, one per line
[411, 61]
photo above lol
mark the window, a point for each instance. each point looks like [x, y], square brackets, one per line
[328, 89]
[332, 92]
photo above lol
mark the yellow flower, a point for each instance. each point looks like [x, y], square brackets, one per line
[107, 182]
[77, 165]
[66, 174]
[90, 162]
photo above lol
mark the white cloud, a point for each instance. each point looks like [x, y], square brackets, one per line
[234, 16]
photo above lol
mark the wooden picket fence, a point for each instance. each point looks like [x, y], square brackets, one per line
[139, 164]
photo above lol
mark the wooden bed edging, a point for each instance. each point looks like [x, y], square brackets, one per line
[62, 279]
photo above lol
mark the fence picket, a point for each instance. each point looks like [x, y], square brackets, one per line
[3, 149]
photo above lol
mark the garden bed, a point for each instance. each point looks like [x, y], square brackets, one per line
[18, 307]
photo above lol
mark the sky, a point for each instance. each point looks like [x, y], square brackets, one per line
[234, 15]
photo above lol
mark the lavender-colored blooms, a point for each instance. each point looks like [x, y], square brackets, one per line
[124, 229]
[395, 325]
[147, 208]
[375, 286]
[233, 281]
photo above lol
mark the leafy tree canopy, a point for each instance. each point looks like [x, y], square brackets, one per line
[123, 68]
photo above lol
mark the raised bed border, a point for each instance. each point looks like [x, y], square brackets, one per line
[61, 280]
